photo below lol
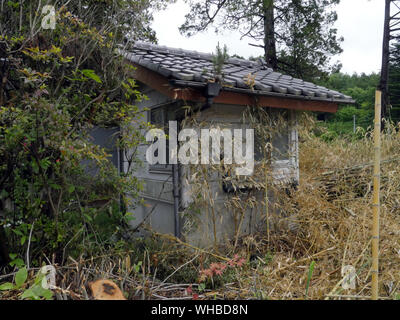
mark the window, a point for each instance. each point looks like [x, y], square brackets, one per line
[159, 117]
[273, 128]
[280, 143]
[278, 137]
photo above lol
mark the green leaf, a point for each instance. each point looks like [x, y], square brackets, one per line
[29, 294]
[39, 278]
[130, 216]
[55, 186]
[45, 163]
[71, 188]
[47, 294]
[89, 218]
[35, 167]
[6, 286]
[13, 4]
[17, 262]
[3, 194]
[89, 73]
[17, 232]
[310, 272]
[202, 287]
[21, 277]
[137, 266]
[42, 292]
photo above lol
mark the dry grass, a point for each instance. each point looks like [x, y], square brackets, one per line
[331, 212]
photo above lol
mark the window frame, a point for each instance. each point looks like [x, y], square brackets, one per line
[272, 157]
[160, 168]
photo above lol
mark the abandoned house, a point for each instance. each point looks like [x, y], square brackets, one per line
[175, 78]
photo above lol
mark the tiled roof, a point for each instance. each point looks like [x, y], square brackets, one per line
[195, 68]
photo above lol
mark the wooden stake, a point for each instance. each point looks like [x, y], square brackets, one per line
[376, 196]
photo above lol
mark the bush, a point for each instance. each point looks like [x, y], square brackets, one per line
[59, 85]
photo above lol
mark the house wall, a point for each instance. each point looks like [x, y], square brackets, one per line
[158, 207]
[200, 225]
[106, 138]
[157, 194]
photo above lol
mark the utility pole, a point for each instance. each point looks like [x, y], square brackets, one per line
[390, 32]
[383, 83]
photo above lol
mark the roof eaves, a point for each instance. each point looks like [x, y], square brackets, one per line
[183, 83]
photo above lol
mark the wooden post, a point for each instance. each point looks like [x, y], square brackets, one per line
[376, 197]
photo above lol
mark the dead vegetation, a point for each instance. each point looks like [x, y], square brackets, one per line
[331, 211]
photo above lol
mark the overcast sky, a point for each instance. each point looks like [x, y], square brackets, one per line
[360, 22]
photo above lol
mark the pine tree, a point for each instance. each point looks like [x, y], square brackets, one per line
[297, 36]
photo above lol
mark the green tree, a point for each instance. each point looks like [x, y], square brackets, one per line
[361, 87]
[57, 85]
[298, 37]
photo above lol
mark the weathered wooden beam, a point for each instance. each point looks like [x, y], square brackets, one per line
[161, 84]
[276, 102]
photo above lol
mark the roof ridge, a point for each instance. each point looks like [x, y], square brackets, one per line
[160, 48]
[193, 53]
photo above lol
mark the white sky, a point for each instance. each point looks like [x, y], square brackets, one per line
[360, 22]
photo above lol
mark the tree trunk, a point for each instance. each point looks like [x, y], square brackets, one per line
[269, 34]
[383, 83]
[4, 258]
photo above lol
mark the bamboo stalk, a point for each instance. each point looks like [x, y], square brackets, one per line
[267, 204]
[376, 197]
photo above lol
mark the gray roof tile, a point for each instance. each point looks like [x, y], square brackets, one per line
[193, 66]
[185, 76]
[263, 87]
